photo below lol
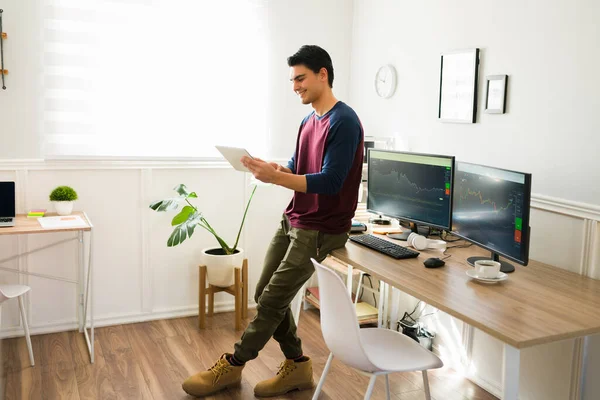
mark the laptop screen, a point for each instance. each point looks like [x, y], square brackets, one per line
[7, 199]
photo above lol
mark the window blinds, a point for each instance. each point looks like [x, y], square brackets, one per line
[153, 78]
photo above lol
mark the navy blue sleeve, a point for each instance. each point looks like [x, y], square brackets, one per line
[291, 163]
[342, 143]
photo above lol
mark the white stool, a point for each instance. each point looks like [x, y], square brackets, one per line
[12, 291]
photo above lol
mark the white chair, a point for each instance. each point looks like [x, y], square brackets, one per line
[11, 291]
[371, 351]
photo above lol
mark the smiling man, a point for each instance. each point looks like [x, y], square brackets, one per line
[324, 173]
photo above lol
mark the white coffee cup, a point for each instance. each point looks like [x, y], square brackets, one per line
[487, 269]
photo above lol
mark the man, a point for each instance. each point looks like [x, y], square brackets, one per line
[325, 174]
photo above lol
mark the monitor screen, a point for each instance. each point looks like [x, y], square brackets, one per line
[411, 187]
[7, 199]
[491, 209]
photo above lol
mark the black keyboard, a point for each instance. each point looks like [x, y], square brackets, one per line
[384, 246]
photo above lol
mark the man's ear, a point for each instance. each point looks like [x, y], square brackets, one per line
[323, 74]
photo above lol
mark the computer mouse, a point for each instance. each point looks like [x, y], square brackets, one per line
[434, 263]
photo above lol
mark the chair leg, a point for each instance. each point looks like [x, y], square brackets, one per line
[323, 376]
[426, 385]
[387, 386]
[26, 326]
[370, 388]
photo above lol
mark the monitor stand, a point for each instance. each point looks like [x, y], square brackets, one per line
[399, 236]
[380, 220]
[505, 267]
[404, 235]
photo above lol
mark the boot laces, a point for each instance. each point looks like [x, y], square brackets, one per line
[286, 368]
[220, 368]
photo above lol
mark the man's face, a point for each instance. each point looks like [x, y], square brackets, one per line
[306, 84]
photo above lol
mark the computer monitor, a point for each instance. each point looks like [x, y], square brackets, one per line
[491, 210]
[7, 199]
[416, 188]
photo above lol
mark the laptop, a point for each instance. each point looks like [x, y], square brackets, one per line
[7, 204]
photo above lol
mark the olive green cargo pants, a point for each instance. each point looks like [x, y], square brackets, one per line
[286, 268]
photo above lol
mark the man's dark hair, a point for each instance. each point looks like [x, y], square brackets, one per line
[314, 58]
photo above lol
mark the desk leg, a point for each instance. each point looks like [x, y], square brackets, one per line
[380, 307]
[80, 281]
[584, 366]
[510, 375]
[89, 300]
[358, 287]
[349, 282]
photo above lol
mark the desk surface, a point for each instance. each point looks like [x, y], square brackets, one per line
[537, 304]
[24, 224]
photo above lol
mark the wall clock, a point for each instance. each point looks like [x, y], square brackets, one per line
[385, 81]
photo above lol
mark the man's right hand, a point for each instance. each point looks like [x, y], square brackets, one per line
[280, 167]
[276, 166]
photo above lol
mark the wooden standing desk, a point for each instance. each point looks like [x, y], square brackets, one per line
[25, 225]
[537, 304]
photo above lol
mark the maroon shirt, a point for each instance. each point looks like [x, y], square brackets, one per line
[329, 151]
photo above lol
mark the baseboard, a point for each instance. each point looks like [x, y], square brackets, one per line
[117, 319]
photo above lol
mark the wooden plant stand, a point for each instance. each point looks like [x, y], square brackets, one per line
[239, 290]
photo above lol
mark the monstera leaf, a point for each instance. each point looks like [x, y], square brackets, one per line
[185, 228]
[165, 205]
[186, 221]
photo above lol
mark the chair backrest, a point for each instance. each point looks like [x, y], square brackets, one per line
[338, 320]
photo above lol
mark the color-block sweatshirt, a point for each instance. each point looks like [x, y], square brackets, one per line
[329, 151]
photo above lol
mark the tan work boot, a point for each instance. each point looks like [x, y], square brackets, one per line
[218, 377]
[291, 376]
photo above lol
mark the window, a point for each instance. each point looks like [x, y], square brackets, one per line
[153, 78]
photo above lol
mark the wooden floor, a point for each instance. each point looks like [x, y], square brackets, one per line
[149, 360]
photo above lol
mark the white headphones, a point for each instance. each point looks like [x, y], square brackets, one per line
[422, 243]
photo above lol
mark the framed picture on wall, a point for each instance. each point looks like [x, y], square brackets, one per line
[458, 86]
[495, 100]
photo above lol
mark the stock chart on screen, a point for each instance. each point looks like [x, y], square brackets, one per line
[411, 186]
[491, 207]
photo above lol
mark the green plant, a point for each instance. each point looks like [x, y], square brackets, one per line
[63, 193]
[189, 218]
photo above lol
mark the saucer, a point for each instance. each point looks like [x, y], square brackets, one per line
[501, 277]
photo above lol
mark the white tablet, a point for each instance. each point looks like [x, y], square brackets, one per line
[234, 155]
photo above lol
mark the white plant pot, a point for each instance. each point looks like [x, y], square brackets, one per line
[219, 268]
[63, 207]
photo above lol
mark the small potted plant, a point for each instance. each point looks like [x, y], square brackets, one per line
[63, 198]
[220, 261]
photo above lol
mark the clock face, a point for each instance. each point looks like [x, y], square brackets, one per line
[385, 81]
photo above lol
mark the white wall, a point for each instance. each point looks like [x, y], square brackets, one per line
[549, 49]
[291, 25]
[136, 276]
[20, 103]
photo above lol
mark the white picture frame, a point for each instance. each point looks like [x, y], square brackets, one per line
[458, 86]
[495, 99]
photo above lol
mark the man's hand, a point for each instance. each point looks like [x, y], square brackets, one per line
[270, 172]
[276, 166]
[262, 170]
